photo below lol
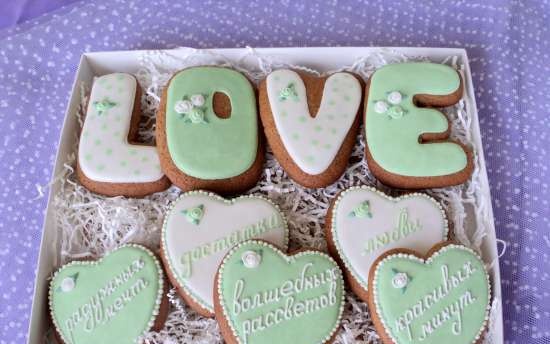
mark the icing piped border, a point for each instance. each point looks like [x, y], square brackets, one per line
[428, 261]
[335, 240]
[158, 301]
[217, 197]
[289, 259]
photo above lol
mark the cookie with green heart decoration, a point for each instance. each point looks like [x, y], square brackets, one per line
[201, 227]
[362, 223]
[443, 297]
[113, 300]
[264, 296]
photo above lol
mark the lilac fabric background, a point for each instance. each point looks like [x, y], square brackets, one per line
[507, 41]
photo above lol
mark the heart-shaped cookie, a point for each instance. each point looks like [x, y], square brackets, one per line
[444, 298]
[364, 222]
[306, 138]
[264, 296]
[113, 300]
[201, 228]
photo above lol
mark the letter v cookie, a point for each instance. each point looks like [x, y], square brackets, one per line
[109, 163]
[311, 123]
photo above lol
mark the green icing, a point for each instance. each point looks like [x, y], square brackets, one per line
[194, 215]
[217, 148]
[280, 299]
[113, 300]
[442, 301]
[362, 210]
[392, 137]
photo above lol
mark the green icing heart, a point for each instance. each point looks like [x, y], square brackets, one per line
[445, 299]
[113, 300]
[269, 297]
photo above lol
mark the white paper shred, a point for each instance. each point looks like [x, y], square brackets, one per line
[90, 225]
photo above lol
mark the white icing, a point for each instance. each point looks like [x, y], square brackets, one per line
[313, 143]
[360, 241]
[381, 106]
[404, 322]
[224, 224]
[395, 97]
[400, 280]
[251, 259]
[183, 106]
[67, 284]
[197, 99]
[104, 154]
[288, 292]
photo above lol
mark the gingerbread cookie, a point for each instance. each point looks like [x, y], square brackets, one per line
[362, 223]
[442, 297]
[110, 161]
[201, 228]
[207, 131]
[311, 123]
[263, 295]
[407, 140]
[113, 300]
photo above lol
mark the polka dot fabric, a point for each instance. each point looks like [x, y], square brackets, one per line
[507, 41]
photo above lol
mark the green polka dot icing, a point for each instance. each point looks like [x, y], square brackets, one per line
[313, 159]
[210, 147]
[107, 135]
[366, 223]
[443, 299]
[306, 295]
[201, 227]
[391, 113]
[113, 300]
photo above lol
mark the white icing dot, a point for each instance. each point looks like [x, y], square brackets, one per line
[251, 259]
[197, 99]
[67, 284]
[395, 97]
[380, 106]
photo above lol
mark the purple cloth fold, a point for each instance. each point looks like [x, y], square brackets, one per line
[508, 45]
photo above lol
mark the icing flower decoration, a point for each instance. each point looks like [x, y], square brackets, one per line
[103, 105]
[192, 109]
[183, 106]
[196, 115]
[400, 280]
[289, 92]
[362, 210]
[391, 106]
[396, 112]
[381, 106]
[197, 99]
[68, 283]
[251, 259]
[194, 215]
[395, 97]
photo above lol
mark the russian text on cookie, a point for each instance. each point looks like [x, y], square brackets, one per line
[362, 233]
[443, 299]
[194, 250]
[283, 299]
[114, 299]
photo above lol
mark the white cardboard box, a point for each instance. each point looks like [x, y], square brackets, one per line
[322, 59]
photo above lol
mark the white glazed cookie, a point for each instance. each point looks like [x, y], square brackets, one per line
[202, 227]
[311, 140]
[364, 223]
[106, 158]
